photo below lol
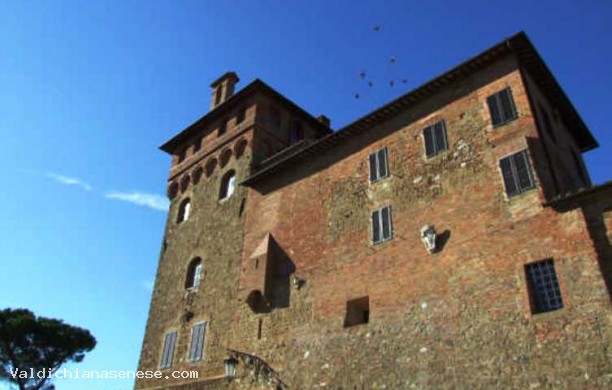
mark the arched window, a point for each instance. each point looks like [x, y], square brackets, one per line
[184, 208]
[194, 272]
[227, 185]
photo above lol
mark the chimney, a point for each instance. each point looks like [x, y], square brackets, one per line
[324, 120]
[223, 88]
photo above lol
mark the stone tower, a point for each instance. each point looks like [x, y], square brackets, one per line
[199, 272]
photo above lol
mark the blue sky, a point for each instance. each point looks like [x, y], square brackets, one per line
[90, 89]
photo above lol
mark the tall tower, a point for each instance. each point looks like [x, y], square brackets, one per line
[196, 298]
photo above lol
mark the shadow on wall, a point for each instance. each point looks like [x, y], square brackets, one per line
[277, 283]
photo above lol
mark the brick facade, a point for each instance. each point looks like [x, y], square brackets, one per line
[292, 246]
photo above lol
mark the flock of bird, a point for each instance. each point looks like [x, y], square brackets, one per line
[364, 76]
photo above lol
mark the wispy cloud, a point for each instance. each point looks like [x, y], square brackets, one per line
[153, 201]
[69, 181]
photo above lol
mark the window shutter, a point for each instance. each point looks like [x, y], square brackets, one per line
[523, 171]
[440, 137]
[168, 350]
[200, 343]
[373, 164]
[507, 104]
[192, 345]
[386, 223]
[376, 226]
[507, 173]
[429, 141]
[382, 163]
[494, 109]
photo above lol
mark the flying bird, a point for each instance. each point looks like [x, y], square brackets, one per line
[405, 81]
[356, 96]
[391, 83]
[370, 84]
[392, 59]
[377, 28]
[362, 75]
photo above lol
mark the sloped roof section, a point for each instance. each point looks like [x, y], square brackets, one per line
[528, 59]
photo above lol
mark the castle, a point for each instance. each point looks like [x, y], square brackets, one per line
[451, 239]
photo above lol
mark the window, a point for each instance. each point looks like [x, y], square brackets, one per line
[168, 350]
[197, 145]
[357, 312]
[241, 115]
[381, 225]
[516, 173]
[194, 273]
[196, 347]
[435, 139]
[379, 169]
[227, 185]
[181, 156]
[543, 287]
[501, 107]
[184, 209]
[222, 128]
[547, 125]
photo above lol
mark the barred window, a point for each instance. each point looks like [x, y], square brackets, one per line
[379, 168]
[501, 107]
[382, 229]
[543, 286]
[435, 139]
[168, 350]
[196, 347]
[516, 172]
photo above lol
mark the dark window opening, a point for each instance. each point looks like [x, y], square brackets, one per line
[543, 287]
[241, 115]
[222, 128]
[181, 156]
[197, 145]
[259, 328]
[379, 167]
[242, 205]
[502, 108]
[357, 312]
[194, 273]
[435, 139]
[516, 172]
[382, 229]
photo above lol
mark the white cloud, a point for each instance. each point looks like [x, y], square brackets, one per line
[154, 201]
[69, 181]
